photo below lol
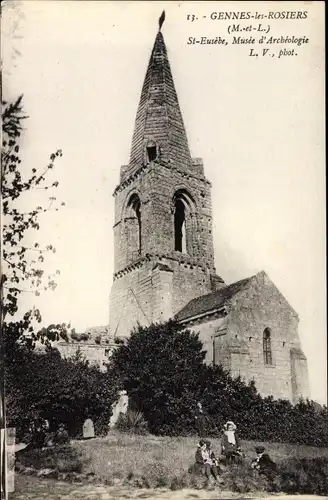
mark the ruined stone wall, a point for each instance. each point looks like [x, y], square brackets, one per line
[95, 354]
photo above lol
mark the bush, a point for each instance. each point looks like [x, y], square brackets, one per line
[59, 458]
[69, 392]
[306, 476]
[173, 378]
[165, 386]
[132, 422]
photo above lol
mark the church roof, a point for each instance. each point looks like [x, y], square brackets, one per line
[159, 118]
[297, 351]
[211, 301]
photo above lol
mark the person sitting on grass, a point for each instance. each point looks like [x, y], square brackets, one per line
[38, 430]
[263, 463]
[214, 463]
[230, 443]
[61, 436]
[206, 461]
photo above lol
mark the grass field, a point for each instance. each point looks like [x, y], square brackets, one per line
[149, 461]
[34, 488]
[120, 455]
[163, 462]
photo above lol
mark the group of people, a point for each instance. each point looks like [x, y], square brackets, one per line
[41, 436]
[207, 464]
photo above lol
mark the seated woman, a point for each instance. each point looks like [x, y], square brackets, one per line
[230, 443]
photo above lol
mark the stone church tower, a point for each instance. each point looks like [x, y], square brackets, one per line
[163, 241]
[164, 255]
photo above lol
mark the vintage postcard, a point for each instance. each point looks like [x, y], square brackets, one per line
[163, 266]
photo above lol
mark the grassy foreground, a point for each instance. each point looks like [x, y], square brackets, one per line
[119, 455]
[163, 462]
[34, 488]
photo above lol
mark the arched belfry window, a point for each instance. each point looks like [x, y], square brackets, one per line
[183, 207]
[267, 351]
[151, 151]
[180, 243]
[133, 221]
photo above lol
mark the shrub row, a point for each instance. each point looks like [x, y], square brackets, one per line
[172, 379]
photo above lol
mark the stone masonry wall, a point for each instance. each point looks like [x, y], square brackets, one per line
[131, 301]
[299, 377]
[148, 294]
[239, 340]
[258, 307]
[156, 186]
[207, 330]
[94, 353]
[141, 293]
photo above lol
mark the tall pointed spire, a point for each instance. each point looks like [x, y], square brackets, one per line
[159, 121]
[161, 20]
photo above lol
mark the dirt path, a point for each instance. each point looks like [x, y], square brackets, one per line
[32, 488]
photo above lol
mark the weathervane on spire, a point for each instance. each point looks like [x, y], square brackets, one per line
[161, 20]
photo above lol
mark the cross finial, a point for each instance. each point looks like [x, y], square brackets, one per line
[161, 20]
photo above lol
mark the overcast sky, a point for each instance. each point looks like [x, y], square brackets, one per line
[258, 124]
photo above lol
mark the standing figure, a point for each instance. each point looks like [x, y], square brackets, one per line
[201, 421]
[230, 442]
[204, 423]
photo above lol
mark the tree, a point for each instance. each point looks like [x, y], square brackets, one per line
[226, 398]
[69, 391]
[160, 368]
[23, 264]
[163, 370]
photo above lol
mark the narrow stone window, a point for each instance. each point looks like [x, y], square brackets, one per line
[180, 227]
[151, 150]
[184, 207]
[267, 352]
[133, 221]
[138, 214]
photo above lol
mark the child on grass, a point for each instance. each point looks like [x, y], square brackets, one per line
[206, 462]
[230, 442]
[263, 463]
